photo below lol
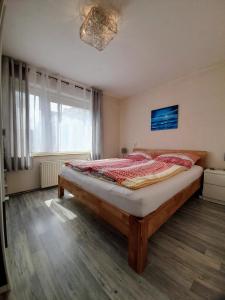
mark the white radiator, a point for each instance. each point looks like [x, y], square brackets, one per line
[50, 171]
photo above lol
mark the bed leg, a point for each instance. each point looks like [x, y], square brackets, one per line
[137, 245]
[60, 189]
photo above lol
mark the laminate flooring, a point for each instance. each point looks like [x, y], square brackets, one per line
[58, 249]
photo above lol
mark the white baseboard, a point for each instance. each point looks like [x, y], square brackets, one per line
[221, 202]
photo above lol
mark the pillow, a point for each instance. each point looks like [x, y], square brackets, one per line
[138, 156]
[183, 159]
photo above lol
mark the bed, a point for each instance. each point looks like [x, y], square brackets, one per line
[135, 213]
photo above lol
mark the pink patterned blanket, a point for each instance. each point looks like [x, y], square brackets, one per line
[96, 165]
[128, 173]
[143, 174]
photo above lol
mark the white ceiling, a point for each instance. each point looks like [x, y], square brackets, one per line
[158, 40]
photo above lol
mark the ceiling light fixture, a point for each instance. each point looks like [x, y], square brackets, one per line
[99, 27]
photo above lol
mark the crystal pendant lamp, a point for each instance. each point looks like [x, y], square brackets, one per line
[99, 27]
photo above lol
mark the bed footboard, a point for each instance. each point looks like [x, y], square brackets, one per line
[137, 230]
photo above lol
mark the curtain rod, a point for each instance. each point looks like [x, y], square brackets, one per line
[50, 76]
[66, 82]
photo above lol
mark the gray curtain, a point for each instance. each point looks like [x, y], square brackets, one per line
[97, 136]
[15, 98]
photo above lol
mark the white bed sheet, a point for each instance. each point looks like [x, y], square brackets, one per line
[139, 202]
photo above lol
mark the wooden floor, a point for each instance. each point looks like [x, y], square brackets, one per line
[59, 250]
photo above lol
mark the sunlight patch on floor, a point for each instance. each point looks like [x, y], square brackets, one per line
[61, 212]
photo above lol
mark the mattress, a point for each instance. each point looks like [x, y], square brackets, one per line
[136, 202]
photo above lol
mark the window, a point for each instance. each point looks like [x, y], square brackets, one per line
[60, 116]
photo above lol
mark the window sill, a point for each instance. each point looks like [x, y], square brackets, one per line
[41, 154]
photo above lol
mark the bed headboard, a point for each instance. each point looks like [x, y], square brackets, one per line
[154, 152]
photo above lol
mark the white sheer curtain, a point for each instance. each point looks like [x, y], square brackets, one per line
[60, 114]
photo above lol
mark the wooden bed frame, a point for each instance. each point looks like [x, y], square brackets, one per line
[136, 229]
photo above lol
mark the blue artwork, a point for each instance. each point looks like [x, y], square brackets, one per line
[164, 118]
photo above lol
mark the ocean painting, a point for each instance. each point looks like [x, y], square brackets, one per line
[164, 118]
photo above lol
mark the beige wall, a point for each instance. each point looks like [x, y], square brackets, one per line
[111, 126]
[28, 180]
[201, 99]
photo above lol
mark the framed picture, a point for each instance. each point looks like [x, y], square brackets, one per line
[164, 118]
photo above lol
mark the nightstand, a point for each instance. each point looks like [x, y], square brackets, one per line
[214, 186]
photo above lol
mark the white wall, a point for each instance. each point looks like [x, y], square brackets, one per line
[201, 99]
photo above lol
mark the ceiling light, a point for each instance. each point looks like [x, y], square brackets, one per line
[99, 27]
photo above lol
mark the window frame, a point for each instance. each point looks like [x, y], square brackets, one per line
[42, 154]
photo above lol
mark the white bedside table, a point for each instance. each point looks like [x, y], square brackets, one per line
[214, 186]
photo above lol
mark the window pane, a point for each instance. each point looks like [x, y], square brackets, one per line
[75, 129]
